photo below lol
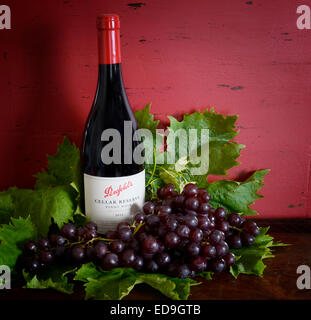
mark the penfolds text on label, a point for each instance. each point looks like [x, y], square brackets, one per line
[110, 191]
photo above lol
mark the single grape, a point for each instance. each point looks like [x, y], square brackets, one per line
[125, 234]
[68, 231]
[149, 207]
[234, 219]
[192, 203]
[198, 264]
[100, 249]
[247, 238]
[220, 214]
[90, 234]
[80, 232]
[128, 257]
[123, 224]
[234, 241]
[31, 246]
[163, 259]
[117, 246]
[190, 190]
[203, 222]
[43, 243]
[171, 224]
[150, 245]
[46, 256]
[222, 248]
[196, 235]
[204, 208]
[110, 261]
[223, 226]
[208, 251]
[151, 266]
[183, 271]
[203, 195]
[91, 225]
[216, 236]
[171, 240]
[32, 265]
[183, 231]
[229, 259]
[164, 209]
[152, 221]
[140, 217]
[191, 221]
[168, 190]
[77, 253]
[251, 227]
[218, 265]
[193, 249]
[160, 193]
[138, 263]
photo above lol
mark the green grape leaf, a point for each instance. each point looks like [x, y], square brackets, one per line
[236, 196]
[12, 238]
[250, 259]
[117, 283]
[222, 151]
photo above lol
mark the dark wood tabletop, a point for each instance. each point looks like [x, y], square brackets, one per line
[278, 282]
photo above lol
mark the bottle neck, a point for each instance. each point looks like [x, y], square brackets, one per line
[109, 49]
[110, 74]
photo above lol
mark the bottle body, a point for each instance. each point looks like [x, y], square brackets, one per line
[114, 182]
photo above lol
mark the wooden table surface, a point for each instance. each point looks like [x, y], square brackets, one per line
[278, 282]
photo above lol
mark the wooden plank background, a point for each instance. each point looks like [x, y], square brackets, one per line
[241, 57]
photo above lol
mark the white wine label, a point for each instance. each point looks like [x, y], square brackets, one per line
[109, 201]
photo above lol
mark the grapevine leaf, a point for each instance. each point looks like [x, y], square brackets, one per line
[43, 205]
[12, 238]
[54, 278]
[250, 259]
[236, 196]
[63, 168]
[222, 151]
[117, 283]
[145, 119]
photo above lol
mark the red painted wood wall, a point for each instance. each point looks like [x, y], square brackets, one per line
[242, 57]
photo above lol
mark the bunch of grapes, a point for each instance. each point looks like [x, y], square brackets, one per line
[178, 234]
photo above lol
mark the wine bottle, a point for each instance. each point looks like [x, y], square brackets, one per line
[114, 180]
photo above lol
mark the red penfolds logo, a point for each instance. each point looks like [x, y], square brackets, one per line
[109, 191]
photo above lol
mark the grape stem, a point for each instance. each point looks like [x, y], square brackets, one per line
[138, 227]
[235, 228]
